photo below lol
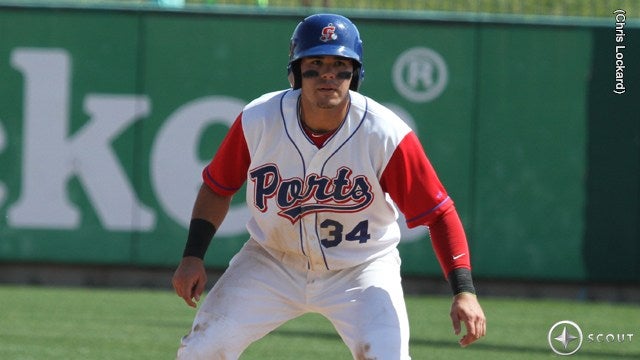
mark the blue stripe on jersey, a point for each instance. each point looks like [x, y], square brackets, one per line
[213, 181]
[426, 213]
[304, 169]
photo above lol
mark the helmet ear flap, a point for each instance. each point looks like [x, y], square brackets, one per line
[294, 70]
[355, 80]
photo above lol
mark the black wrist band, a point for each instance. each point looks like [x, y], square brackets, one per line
[200, 234]
[461, 281]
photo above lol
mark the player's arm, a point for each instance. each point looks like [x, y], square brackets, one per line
[190, 278]
[224, 175]
[450, 244]
[408, 176]
[414, 186]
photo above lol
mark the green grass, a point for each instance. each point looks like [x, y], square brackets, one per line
[57, 323]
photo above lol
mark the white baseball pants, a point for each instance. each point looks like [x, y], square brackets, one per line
[258, 293]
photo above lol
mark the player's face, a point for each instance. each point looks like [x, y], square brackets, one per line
[326, 80]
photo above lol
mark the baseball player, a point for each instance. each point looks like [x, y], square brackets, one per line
[325, 168]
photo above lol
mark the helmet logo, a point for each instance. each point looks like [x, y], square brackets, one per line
[328, 33]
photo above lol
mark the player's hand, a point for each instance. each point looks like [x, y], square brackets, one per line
[465, 308]
[190, 279]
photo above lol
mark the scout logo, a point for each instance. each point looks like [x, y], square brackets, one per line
[297, 197]
[328, 33]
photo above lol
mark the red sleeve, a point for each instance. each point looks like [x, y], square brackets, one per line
[413, 184]
[227, 171]
[450, 242]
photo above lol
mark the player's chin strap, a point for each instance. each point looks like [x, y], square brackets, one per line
[200, 234]
[461, 281]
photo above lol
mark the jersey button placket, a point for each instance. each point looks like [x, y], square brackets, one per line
[312, 242]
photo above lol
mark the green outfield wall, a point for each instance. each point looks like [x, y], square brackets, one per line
[107, 117]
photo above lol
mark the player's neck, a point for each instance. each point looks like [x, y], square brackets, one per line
[319, 120]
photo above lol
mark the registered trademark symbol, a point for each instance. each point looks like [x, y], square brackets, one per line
[420, 74]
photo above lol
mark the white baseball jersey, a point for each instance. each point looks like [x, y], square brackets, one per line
[328, 207]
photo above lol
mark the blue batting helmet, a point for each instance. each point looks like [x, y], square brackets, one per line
[328, 35]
